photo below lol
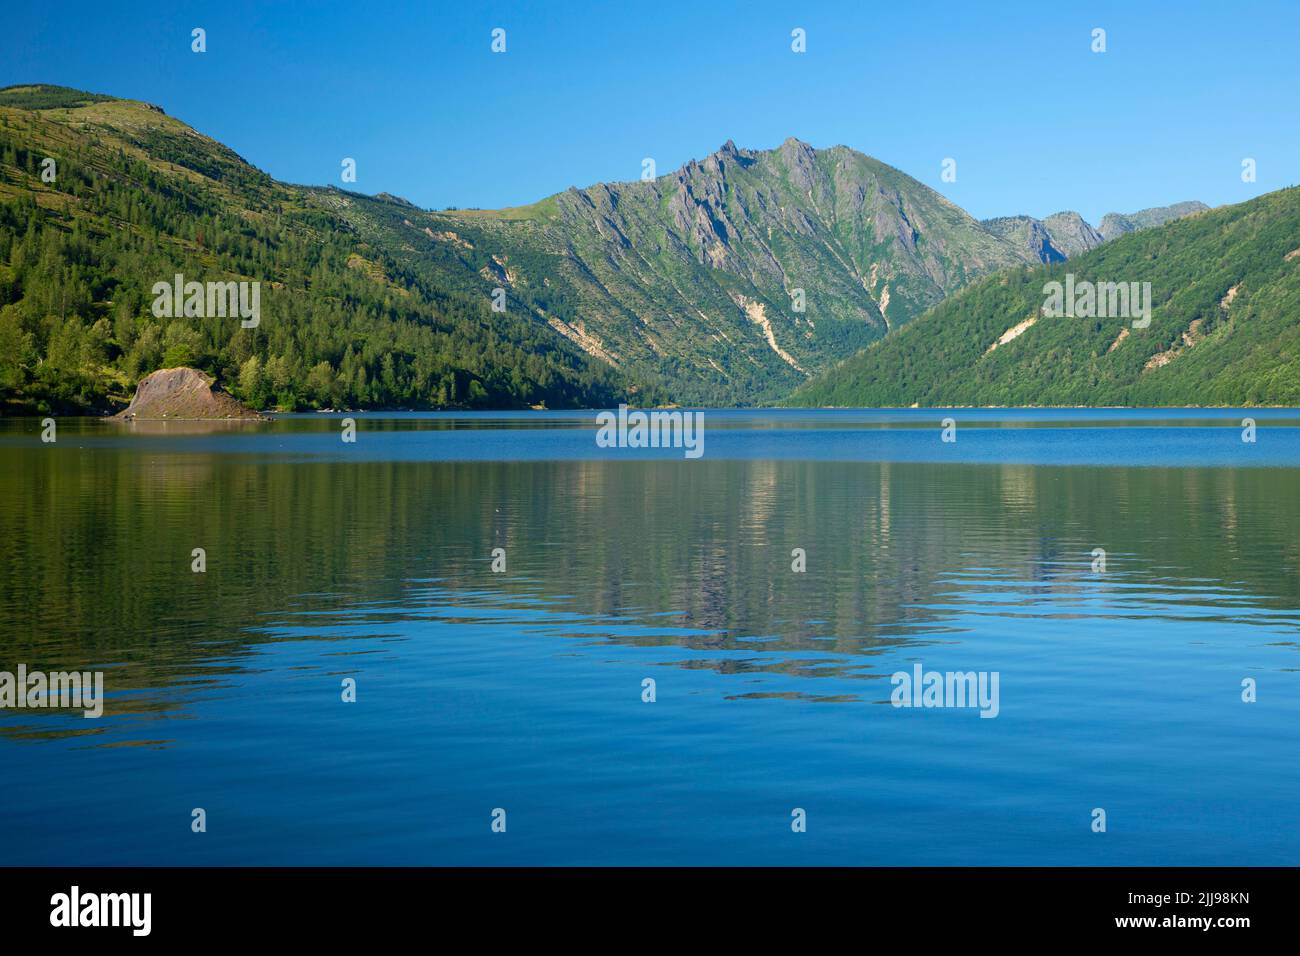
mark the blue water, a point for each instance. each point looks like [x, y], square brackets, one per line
[1119, 689]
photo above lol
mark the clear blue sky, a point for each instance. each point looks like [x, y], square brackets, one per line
[1036, 121]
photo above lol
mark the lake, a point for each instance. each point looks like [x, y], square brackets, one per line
[374, 565]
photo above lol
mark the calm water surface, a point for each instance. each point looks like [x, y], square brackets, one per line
[523, 690]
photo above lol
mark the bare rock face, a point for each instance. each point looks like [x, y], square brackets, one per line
[1071, 234]
[183, 393]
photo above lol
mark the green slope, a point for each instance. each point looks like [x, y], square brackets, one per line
[139, 196]
[1225, 327]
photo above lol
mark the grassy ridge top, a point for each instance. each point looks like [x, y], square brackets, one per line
[45, 96]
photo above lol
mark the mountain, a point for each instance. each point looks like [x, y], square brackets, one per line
[692, 278]
[134, 197]
[1224, 326]
[731, 280]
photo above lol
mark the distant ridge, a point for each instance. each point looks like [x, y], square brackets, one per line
[1066, 234]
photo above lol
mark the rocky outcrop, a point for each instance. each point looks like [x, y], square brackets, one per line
[1030, 233]
[183, 394]
[1071, 234]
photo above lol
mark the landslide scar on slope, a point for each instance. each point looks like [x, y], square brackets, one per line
[757, 313]
[1012, 333]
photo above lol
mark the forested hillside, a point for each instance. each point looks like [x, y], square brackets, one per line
[1224, 329]
[134, 197]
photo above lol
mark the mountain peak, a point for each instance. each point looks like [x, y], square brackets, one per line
[797, 150]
